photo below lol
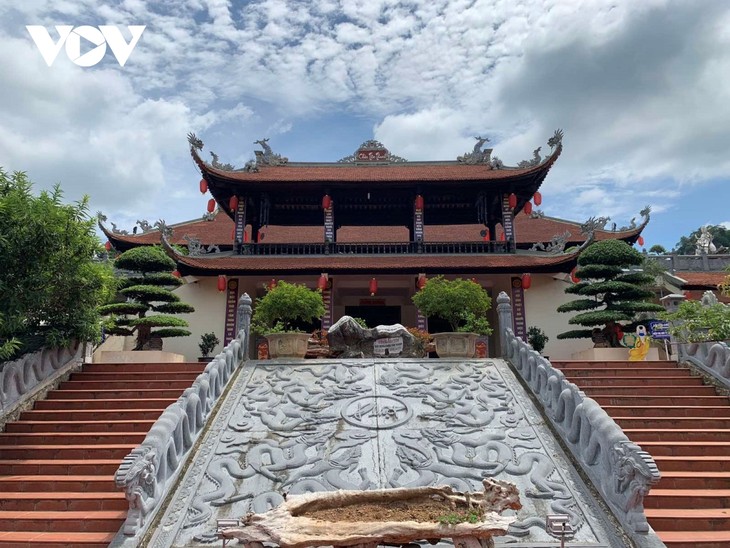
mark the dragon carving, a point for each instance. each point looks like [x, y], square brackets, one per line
[477, 155]
[267, 156]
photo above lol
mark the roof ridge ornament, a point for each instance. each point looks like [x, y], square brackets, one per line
[555, 245]
[477, 155]
[371, 151]
[267, 156]
[196, 248]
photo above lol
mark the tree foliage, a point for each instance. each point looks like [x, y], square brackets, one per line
[608, 293]
[147, 289]
[720, 237]
[285, 305]
[462, 303]
[50, 282]
[695, 322]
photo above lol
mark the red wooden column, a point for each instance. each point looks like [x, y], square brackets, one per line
[328, 207]
[240, 227]
[418, 207]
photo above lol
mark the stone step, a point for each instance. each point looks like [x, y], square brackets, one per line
[694, 480]
[130, 424]
[32, 539]
[695, 539]
[687, 498]
[69, 438]
[77, 522]
[639, 435]
[189, 376]
[99, 403]
[627, 372]
[58, 483]
[675, 423]
[686, 448]
[710, 463]
[666, 411]
[121, 394]
[645, 391]
[144, 367]
[54, 415]
[67, 452]
[703, 519]
[135, 385]
[683, 402]
[61, 501]
[635, 381]
[59, 466]
[579, 364]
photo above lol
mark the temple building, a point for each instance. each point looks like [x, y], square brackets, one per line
[369, 230]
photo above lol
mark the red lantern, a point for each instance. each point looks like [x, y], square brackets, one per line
[221, 282]
[108, 245]
[502, 237]
[527, 208]
[486, 235]
[176, 273]
[526, 281]
[233, 203]
[373, 287]
[641, 240]
[211, 205]
[233, 233]
[203, 186]
[272, 284]
[537, 198]
[322, 282]
[245, 236]
[326, 201]
[421, 282]
[575, 279]
[513, 200]
[419, 203]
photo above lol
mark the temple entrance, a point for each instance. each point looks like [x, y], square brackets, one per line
[375, 315]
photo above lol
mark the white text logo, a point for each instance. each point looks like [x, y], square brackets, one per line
[99, 37]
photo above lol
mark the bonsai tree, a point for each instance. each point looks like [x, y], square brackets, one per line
[609, 294]
[462, 303]
[147, 289]
[537, 338]
[208, 342]
[286, 307]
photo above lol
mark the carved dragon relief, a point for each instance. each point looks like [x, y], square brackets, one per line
[196, 249]
[267, 156]
[286, 436]
[555, 245]
[477, 155]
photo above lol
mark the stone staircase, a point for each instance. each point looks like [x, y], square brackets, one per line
[57, 462]
[685, 426]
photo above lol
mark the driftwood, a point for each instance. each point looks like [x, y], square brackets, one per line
[288, 525]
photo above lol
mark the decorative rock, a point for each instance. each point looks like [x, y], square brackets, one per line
[348, 339]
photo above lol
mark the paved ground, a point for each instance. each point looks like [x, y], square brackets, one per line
[359, 424]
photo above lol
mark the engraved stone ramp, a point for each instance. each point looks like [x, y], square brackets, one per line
[321, 425]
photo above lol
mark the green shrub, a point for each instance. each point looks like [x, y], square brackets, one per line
[462, 303]
[284, 305]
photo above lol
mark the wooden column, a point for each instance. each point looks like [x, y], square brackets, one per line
[508, 219]
[240, 227]
[418, 207]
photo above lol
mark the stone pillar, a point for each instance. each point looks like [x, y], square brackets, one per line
[504, 314]
[671, 304]
[244, 322]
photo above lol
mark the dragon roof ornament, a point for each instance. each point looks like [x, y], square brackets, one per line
[481, 157]
[196, 146]
[371, 151]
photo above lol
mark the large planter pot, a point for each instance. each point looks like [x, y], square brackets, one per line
[455, 345]
[287, 345]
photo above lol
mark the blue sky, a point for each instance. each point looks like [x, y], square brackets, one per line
[639, 88]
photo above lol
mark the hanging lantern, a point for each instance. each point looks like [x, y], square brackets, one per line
[108, 245]
[373, 287]
[527, 208]
[176, 273]
[203, 186]
[575, 279]
[322, 282]
[421, 281]
[211, 205]
[233, 203]
[526, 281]
[419, 203]
[272, 284]
[502, 237]
[641, 240]
[221, 282]
[513, 200]
[486, 235]
[245, 236]
[326, 201]
[537, 198]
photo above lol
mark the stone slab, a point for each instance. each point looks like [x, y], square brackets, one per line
[377, 423]
[612, 354]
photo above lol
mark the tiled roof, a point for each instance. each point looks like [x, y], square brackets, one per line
[701, 280]
[355, 263]
[218, 231]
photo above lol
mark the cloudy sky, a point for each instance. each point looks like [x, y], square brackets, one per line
[640, 88]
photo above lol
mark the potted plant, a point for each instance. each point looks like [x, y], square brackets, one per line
[463, 304]
[281, 314]
[208, 341]
[537, 338]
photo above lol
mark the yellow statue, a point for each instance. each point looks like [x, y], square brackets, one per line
[641, 345]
